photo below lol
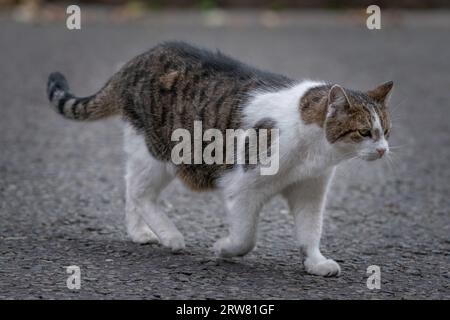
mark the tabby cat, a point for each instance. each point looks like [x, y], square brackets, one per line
[174, 85]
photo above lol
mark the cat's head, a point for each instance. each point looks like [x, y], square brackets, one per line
[357, 124]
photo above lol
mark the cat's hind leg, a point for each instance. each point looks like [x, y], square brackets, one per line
[137, 229]
[145, 178]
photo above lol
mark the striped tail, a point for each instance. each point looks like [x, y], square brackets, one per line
[100, 105]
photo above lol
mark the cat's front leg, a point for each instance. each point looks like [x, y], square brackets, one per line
[306, 200]
[242, 215]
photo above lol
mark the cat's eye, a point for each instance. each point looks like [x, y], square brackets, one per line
[365, 133]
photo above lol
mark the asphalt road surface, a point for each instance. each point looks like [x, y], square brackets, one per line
[62, 188]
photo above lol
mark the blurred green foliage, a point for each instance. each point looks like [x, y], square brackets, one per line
[268, 4]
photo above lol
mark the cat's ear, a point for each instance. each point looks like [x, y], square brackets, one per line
[382, 93]
[337, 100]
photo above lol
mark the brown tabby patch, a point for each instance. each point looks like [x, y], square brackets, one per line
[168, 79]
[266, 124]
[167, 88]
[352, 115]
[313, 105]
[175, 84]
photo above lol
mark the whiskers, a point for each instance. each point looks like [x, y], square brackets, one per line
[396, 113]
[349, 156]
[397, 147]
[392, 159]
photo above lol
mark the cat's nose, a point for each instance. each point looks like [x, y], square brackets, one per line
[381, 151]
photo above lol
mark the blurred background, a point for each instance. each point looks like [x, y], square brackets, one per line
[268, 4]
[51, 9]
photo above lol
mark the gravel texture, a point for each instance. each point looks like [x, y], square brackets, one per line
[61, 185]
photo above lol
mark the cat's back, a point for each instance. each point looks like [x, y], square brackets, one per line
[211, 63]
[175, 84]
[177, 68]
[195, 59]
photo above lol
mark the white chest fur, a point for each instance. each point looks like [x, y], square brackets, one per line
[304, 152]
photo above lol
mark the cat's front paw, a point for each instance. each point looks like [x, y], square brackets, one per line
[173, 241]
[143, 235]
[326, 267]
[227, 248]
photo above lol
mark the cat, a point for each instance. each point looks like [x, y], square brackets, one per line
[174, 84]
